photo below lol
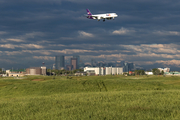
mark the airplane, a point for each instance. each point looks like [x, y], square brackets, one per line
[107, 16]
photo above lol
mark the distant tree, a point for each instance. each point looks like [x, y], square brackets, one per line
[139, 72]
[125, 74]
[2, 72]
[74, 71]
[62, 72]
[136, 72]
[67, 71]
[77, 70]
[71, 72]
[156, 71]
[80, 70]
[142, 72]
[162, 72]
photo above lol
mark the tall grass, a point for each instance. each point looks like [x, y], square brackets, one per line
[92, 97]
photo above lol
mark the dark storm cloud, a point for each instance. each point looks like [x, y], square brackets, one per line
[145, 32]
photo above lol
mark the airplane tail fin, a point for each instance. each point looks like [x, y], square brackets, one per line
[88, 12]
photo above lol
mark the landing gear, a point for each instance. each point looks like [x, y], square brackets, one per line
[98, 19]
[104, 20]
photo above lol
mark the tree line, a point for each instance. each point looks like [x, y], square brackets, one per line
[2, 72]
[157, 72]
[62, 72]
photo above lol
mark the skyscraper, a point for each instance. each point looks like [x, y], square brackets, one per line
[78, 60]
[74, 64]
[131, 66]
[59, 62]
[125, 67]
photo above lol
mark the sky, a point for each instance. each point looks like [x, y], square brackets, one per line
[146, 32]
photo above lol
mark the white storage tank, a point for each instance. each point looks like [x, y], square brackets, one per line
[114, 70]
[32, 71]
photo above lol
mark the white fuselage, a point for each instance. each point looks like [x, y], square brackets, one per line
[104, 16]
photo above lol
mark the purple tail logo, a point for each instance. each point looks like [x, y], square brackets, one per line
[88, 12]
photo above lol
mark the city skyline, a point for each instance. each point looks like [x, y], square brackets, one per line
[145, 32]
[65, 62]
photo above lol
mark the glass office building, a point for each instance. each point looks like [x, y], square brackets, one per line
[59, 62]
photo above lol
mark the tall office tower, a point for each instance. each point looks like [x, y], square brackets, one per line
[78, 60]
[92, 62]
[74, 63]
[122, 63]
[125, 67]
[81, 64]
[131, 66]
[59, 62]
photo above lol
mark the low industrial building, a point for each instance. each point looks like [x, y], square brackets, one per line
[90, 72]
[105, 70]
[36, 71]
[172, 73]
[97, 70]
[15, 73]
[149, 73]
[29, 71]
[113, 70]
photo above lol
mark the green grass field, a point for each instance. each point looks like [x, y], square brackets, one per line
[90, 97]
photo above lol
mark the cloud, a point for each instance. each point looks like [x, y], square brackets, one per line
[34, 1]
[32, 35]
[170, 62]
[54, 1]
[85, 1]
[7, 61]
[144, 62]
[66, 38]
[153, 45]
[85, 34]
[122, 31]
[2, 32]
[14, 40]
[24, 46]
[32, 46]
[173, 33]
[154, 48]
[11, 53]
[44, 57]
[10, 46]
[23, 38]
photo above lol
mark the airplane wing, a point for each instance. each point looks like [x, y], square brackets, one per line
[94, 16]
